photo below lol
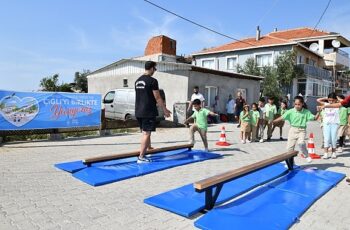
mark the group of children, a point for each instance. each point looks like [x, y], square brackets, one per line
[255, 120]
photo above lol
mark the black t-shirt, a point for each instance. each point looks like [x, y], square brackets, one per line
[146, 105]
[239, 103]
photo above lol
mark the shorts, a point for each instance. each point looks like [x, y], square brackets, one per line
[245, 127]
[342, 130]
[147, 124]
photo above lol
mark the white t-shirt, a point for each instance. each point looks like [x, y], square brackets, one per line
[197, 96]
[230, 106]
[331, 115]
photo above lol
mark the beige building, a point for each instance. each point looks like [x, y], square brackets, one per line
[176, 77]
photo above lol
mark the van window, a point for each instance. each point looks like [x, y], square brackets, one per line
[109, 97]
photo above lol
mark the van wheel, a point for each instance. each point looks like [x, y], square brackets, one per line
[128, 117]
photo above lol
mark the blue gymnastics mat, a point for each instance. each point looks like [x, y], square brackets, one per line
[115, 170]
[277, 205]
[185, 201]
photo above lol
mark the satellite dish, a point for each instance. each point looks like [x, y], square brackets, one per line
[336, 43]
[314, 47]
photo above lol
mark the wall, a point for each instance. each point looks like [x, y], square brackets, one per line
[225, 85]
[173, 83]
[306, 54]
[243, 55]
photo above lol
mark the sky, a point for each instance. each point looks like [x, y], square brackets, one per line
[39, 38]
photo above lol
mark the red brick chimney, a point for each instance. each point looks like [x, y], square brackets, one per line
[161, 44]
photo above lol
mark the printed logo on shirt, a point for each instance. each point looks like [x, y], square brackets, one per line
[140, 84]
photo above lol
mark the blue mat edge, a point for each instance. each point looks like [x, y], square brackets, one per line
[213, 156]
[147, 200]
[302, 213]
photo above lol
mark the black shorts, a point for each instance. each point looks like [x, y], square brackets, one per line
[147, 123]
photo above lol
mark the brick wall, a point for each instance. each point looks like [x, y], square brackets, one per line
[161, 44]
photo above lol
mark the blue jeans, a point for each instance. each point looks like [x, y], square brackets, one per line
[330, 135]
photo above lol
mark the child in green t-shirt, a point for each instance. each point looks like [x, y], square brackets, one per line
[270, 111]
[343, 125]
[255, 115]
[280, 113]
[200, 117]
[245, 118]
[298, 118]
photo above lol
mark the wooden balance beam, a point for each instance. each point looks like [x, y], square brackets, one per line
[207, 185]
[89, 161]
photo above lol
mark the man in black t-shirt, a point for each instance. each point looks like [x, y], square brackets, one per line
[147, 98]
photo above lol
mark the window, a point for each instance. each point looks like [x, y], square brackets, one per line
[231, 63]
[263, 60]
[312, 62]
[209, 63]
[125, 82]
[209, 95]
[300, 59]
[109, 97]
[302, 86]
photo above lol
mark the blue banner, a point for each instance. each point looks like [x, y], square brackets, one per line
[45, 110]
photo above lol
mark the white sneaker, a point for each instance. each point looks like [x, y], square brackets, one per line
[206, 150]
[143, 160]
[334, 156]
[249, 141]
[261, 141]
[325, 156]
[340, 150]
[243, 142]
[308, 159]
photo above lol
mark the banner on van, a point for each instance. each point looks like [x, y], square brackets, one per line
[44, 110]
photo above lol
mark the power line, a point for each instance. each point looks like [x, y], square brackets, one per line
[319, 20]
[197, 24]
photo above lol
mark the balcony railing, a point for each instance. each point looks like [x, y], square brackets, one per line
[316, 72]
[339, 51]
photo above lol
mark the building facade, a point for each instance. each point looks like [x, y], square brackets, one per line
[176, 77]
[318, 53]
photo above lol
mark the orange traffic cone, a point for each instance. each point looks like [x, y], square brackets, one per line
[311, 147]
[222, 140]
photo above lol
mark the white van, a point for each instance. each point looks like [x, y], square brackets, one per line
[119, 104]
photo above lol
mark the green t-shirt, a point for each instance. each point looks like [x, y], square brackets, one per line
[343, 115]
[298, 119]
[270, 111]
[255, 115]
[246, 119]
[201, 118]
[282, 111]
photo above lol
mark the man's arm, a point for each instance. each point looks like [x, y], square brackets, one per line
[160, 102]
[189, 106]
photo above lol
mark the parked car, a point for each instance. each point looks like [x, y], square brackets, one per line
[119, 104]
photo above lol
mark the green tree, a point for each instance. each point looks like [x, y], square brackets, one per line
[65, 87]
[251, 67]
[80, 81]
[270, 86]
[287, 70]
[50, 83]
